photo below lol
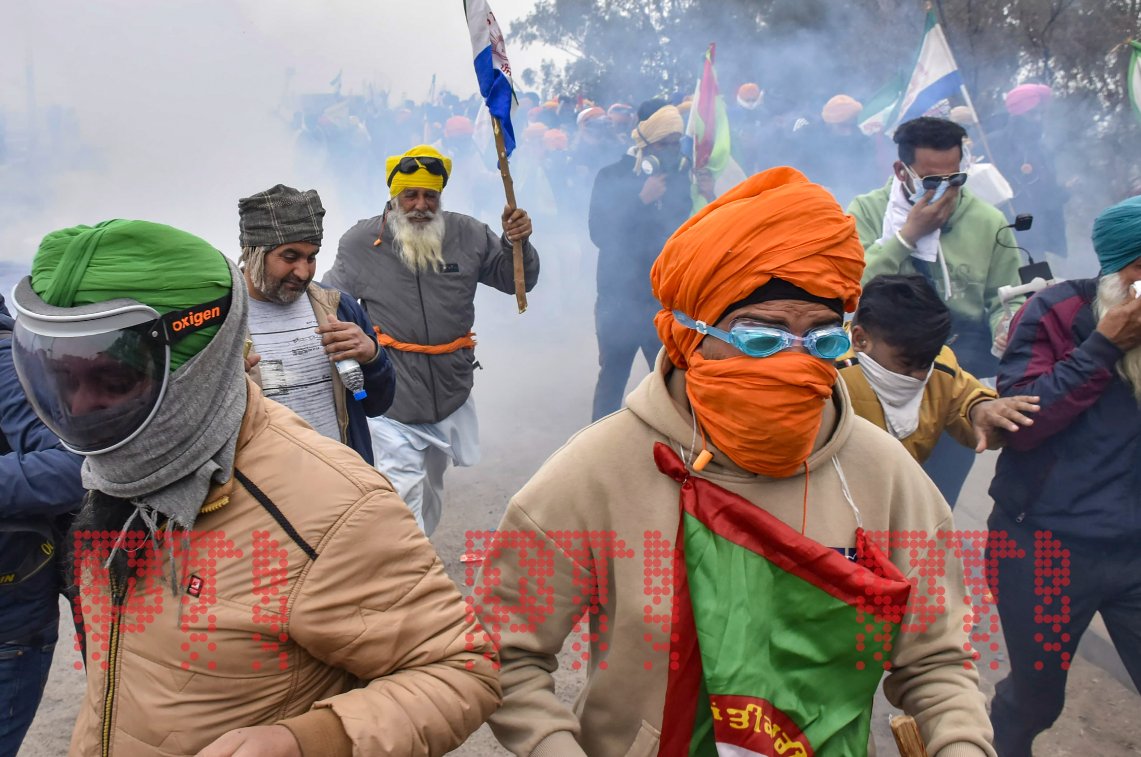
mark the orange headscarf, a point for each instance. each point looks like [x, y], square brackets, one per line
[773, 224]
[764, 413]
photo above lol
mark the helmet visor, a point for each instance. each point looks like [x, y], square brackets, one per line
[94, 391]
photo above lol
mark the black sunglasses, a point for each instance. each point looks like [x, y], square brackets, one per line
[434, 166]
[952, 179]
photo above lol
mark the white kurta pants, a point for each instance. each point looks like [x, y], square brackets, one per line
[415, 456]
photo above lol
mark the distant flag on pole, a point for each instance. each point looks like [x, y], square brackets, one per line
[491, 66]
[336, 82]
[709, 121]
[1135, 78]
[936, 76]
[708, 126]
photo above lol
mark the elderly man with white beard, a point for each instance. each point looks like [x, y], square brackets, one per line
[415, 267]
[1068, 489]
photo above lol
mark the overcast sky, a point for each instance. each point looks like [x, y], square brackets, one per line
[117, 50]
[181, 99]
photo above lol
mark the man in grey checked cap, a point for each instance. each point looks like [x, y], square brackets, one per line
[297, 340]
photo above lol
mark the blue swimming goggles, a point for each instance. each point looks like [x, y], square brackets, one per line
[826, 342]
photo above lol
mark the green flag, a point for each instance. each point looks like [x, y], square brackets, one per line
[779, 642]
[873, 119]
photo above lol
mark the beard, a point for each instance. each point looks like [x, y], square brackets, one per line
[1111, 291]
[421, 242]
[285, 291]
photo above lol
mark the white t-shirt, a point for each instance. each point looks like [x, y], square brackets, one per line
[295, 370]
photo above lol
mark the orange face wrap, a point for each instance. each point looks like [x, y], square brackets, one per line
[764, 413]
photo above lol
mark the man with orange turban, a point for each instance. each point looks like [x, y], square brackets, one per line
[743, 432]
[415, 267]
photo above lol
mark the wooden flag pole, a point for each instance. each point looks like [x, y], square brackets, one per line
[509, 190]
[907, 737]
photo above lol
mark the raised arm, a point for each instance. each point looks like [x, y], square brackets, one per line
[497, 266]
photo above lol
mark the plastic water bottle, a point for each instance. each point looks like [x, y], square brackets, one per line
[352, 377]
[1003, 331]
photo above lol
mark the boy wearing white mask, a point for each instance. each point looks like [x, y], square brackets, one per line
[903, 378]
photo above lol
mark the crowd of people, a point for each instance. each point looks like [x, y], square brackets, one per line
[233, 469]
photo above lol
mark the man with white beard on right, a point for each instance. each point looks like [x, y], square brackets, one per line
[1067, 489]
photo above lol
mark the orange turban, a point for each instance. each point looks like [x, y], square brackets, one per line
[534, 132]
[840, 109]
[748, 95]
[458, 126]
[589, 114]
[555, 139]
[773, 224]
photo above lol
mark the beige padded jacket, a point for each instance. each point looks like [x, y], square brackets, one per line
[314, 601]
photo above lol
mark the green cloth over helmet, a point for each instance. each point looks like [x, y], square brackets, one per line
[157, 265]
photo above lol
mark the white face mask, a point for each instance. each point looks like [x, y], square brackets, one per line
[899, 395]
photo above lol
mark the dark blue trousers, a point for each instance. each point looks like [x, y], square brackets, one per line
[949, 465]
[1103, 577]
[24, 666]
[623, 330]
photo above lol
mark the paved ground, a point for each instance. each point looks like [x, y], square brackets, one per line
[535, 391]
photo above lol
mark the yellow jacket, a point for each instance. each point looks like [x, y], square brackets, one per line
[948, 399]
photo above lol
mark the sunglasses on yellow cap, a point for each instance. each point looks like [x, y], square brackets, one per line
[434, 166]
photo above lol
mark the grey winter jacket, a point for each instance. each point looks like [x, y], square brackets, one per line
[427, 308]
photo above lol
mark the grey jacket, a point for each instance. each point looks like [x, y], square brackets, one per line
[427, 308]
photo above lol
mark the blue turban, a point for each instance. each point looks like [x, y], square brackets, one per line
[1117, 235]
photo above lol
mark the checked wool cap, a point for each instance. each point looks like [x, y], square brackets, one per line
[280, 215]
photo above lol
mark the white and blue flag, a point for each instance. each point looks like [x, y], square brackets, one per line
[491, 66]
[936, 76]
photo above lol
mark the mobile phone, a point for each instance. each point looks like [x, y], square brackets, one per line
[1135, 287]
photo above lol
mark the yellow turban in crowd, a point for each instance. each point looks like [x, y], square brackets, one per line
[665, 122]
[840, 109]
[962, 115]
[421, 177]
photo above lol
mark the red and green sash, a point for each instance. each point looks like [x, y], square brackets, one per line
[778, 642]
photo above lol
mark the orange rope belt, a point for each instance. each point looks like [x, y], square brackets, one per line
[466, 341]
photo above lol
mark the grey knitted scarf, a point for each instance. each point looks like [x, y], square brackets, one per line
[167, 470]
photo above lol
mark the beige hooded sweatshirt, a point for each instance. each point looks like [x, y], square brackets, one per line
[599, 512]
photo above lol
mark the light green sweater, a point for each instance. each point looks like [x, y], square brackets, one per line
[978, 263]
